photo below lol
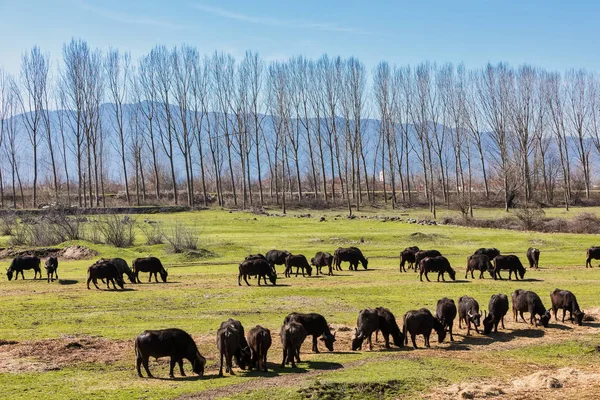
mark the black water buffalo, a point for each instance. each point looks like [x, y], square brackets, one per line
[446, 312]
[497, 309]
[478, 262]
[533, 256]
[22, 263]
[259, 341]
[511, 263]
[389, 327]
[526, 301]
[171, 342]
[277, 257]
[439, 264]
[490, 252]
[468, 311]
[352, 255]
[51, 266]
[292, 336]
[255, 257]
[322, 259]
[122, 267]
[105, 271]
[366, 324]
[566, 300]
[298, 261]
[408, 256]
[256, 267]
[593, 253]
[421, 322]
[315, 325]
[151, 265]
[421, 254]
[232, 343]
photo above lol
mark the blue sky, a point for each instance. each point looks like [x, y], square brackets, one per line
[551, 34]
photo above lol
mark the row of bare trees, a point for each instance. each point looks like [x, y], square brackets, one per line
[178, 126]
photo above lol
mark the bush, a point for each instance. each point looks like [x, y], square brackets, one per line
[530, 217]
[585, 223]
[7, 224]
[153, 233]
[181, 239]
[116, 230]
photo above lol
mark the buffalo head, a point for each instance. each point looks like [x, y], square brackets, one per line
[488, 323]
[9, 274]
[163, 275]
[198, 364]
[328, 340]
[579, 317]
[544, 319]
[357, 340]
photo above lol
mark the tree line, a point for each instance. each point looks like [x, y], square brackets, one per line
[177, 126]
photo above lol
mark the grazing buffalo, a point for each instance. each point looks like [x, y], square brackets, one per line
[388, 326]
[256, 267]
[292, 336]
[408, 256]
[439, 264]
[259, 341]
[105, 271]
[298, 261]
[468, 311]
[526, 301]
[533, 256]
[51, 266]
[20, 264]
[277, 257]
[497, 309]
[478, 262]
[255, 257]
[420, 255]
[173, 343]
[593, 253]
[232, 343]
[151, 265]
[446, 312]
[122, 267]
[491, 252]
[353, 255]
[421, 322]
[322, 259]
[315, 325]
[565, 300]
[511, 263]
[366, 324]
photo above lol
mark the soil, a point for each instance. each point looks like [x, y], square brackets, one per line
[74, 252]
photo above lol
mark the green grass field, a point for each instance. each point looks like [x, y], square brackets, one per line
[78, 343]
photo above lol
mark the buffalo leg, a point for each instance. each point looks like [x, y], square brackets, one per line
[246, 280]
[481, 275]
[23, 276]
[498, 275]
[156, 277]
[450, 330]
[421, 276]
[258, 280]
[221, 365]
[564, 313]
[468, 322]
[171, 367]
[240, 280]
[284, 356]
[502, 325]
[426, 337]
[315, 348]
[414, 342]
[138, 364]
[554, 310]
[264, 362]
[427, 277]
[459, 322]
[145, 364]
[180, 362]
[150, 277]
[371, 342]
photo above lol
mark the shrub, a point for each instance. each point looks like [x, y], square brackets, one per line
[116, 230]
[153, 233]
[530, 217]
[181, 239]
[7, 224]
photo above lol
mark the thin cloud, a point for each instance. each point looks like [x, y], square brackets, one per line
[322, 26]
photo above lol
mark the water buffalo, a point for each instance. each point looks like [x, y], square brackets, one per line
[468, 311]
[421, 254]
[51, 266]
[256, 267]
[255, 257]
[122, 267]
[533, 256]
[526, 301]
[21, 263]
[352, 255]
[105, 271]
[277, 257]
[389, 327]
[298, 261]
[421, 322]
[292, 336]
[439, 264]
[511, 263]
[259, 341]
[478, 262]
[593, 253]
[232, 343]
[171, 342]
[497, 309]
[446, 312]
[366, 324]
[490, 252]
[151, 265]
[322, 259]
[315, 325]
[566, 300]
[408, 256]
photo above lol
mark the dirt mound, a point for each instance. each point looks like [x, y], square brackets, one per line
[77, 252]
[11, 252]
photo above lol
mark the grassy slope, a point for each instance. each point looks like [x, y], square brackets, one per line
[202, 293]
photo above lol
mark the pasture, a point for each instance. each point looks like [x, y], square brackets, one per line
[62, 341]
